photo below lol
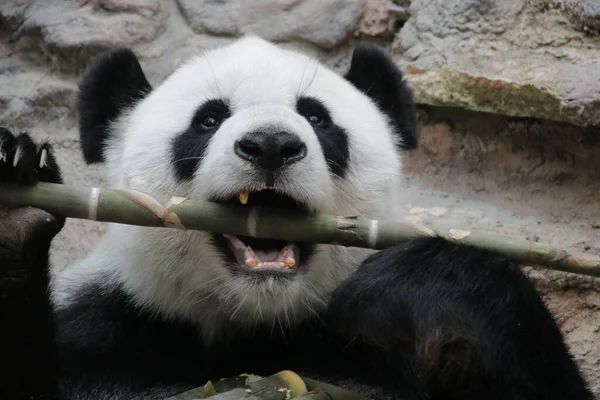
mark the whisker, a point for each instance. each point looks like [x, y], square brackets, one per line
[199, 288]
[287, 318]
[302, 77]
[312, 79]
[312, 311]
[214, 77]
[238, 307]
[260, 314]
[238, 85]
[280, 326]
[187, 158]
[212, 293]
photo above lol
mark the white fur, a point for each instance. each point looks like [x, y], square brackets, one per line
[178, 272]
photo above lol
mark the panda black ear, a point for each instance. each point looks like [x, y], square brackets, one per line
[374, 72]
[112, 82]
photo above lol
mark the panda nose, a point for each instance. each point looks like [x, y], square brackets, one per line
[270, 151]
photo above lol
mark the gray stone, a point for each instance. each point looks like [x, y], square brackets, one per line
[512, 57]
[29, 98]
[72, 32]
[584, 13]
[325, 23]
[379, 19]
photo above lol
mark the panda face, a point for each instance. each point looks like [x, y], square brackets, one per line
[250, 124]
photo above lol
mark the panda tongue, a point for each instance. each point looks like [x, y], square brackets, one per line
[283, 258]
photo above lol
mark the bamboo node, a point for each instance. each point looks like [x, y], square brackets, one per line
[373, 233]
[345, 224]
[93, 204]
[426, 231]
[421, 230]
[173, 201]
[149, 203]
[557, 256]
[170, 218]
[145, 201]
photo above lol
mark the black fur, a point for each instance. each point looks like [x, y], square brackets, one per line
[188, 148]
[110, 84]
[374, 72]
[26, 333]
[333, 138]
[449, 321]
[103, 331]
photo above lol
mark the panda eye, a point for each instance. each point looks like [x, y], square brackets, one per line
[314, 111]
[315, 119]
[211, 122]
[210, 116]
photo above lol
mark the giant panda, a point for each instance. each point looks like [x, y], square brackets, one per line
[152, 312]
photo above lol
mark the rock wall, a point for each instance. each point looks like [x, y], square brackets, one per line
[509, 94]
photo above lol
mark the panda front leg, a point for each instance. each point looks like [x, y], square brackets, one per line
[26, 323]
[433, 319]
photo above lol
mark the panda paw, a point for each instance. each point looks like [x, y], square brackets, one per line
[24, 162]
[21, 161]
[368, 307]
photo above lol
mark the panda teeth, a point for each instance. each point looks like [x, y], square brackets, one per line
[285, 261]
[243, 196]
[251, 262]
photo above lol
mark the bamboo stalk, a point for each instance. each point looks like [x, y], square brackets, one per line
[136, 208]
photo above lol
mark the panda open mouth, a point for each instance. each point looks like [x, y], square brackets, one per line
[264, 255]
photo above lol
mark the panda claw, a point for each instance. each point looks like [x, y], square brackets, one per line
[18, 156]
[44, 158]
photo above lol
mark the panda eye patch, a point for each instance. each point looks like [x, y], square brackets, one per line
[313, 110]
[333, 138]
[210, 116]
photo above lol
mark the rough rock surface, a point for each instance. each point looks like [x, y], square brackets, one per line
[324, 23]
[496, 55]
[67, 29]
[585, 14]
[477, 66]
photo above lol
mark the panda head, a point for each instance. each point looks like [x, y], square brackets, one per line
[246, 123]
